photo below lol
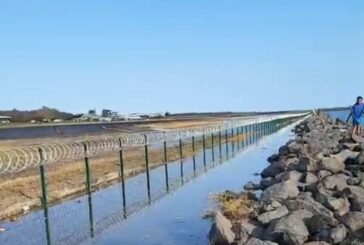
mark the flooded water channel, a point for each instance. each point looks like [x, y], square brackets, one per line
[167, 209]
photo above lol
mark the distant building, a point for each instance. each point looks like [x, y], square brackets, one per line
[5, 119]
[114, 114]
[57, 120]
[132, 116]
[92, 112]
[87, 118]
[105, 119]
[106, 113]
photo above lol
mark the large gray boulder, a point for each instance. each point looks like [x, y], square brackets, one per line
[253, 229]
[271, 207]
[360, 158]
[337, 182]
[353, 181]
[306, 164]
[338, 234]
[310, 178]
[344, 155]
[267, 217]
[295, 148]
[221, 231]
[273, 158]
[360, 175]
[292, 175]
[317, 243]
[279, 192]
[251, 186]
[331, 164]
[340, 206]
[289, 230]
[255, 241]
[332, 235]
[323, 174]
[272, 170]
[284, 150]
[305, 201]
[289, 161]
[354, 221]
[329, 187]
[267, 182]
[356, 198]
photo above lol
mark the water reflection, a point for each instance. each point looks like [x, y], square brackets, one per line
[77, 220]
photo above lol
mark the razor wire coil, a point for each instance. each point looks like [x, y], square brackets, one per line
[20, 159]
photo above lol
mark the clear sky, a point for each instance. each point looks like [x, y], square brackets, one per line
[190, 55]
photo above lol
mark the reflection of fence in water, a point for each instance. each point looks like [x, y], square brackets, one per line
[207, 160]
[62, 222]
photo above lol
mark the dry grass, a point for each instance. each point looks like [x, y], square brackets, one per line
[113, 131]
[237, 206]
[184, 124]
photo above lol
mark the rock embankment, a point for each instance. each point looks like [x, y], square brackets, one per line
[311, 193]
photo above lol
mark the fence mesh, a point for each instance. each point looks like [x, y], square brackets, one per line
[67, 206]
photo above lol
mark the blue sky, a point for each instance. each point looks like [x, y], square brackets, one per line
[190, 55]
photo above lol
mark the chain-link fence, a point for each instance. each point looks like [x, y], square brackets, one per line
[51, 191]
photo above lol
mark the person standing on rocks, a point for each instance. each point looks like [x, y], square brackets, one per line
[357, 114]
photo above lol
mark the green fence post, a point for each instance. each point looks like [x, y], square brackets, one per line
[181, 158]
[238, 139]
[241, 142]
[259, 130]
[256, 132]
[251, 134]
[204, 149]
[212, 147]
[147, 167]
[44, 198]
[226, 143]
[193, 153]
[87, 169]
[232, 141]
[166, 165]
[88, 189]
[122, 177]
[220, 149]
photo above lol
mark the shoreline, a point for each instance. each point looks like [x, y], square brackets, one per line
[311, 193]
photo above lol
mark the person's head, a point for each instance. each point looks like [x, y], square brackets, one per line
[359, 100]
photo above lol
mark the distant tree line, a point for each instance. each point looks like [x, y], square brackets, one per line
[37, 115]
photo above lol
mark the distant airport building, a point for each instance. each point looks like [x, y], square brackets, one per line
[92, 112]
[106, 113]
[87, 118]
[5, 119]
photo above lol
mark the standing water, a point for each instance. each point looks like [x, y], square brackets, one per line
[177, 218]
[166, 209]
[341, 115]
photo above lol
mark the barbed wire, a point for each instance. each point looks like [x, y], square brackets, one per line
[20, 159]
